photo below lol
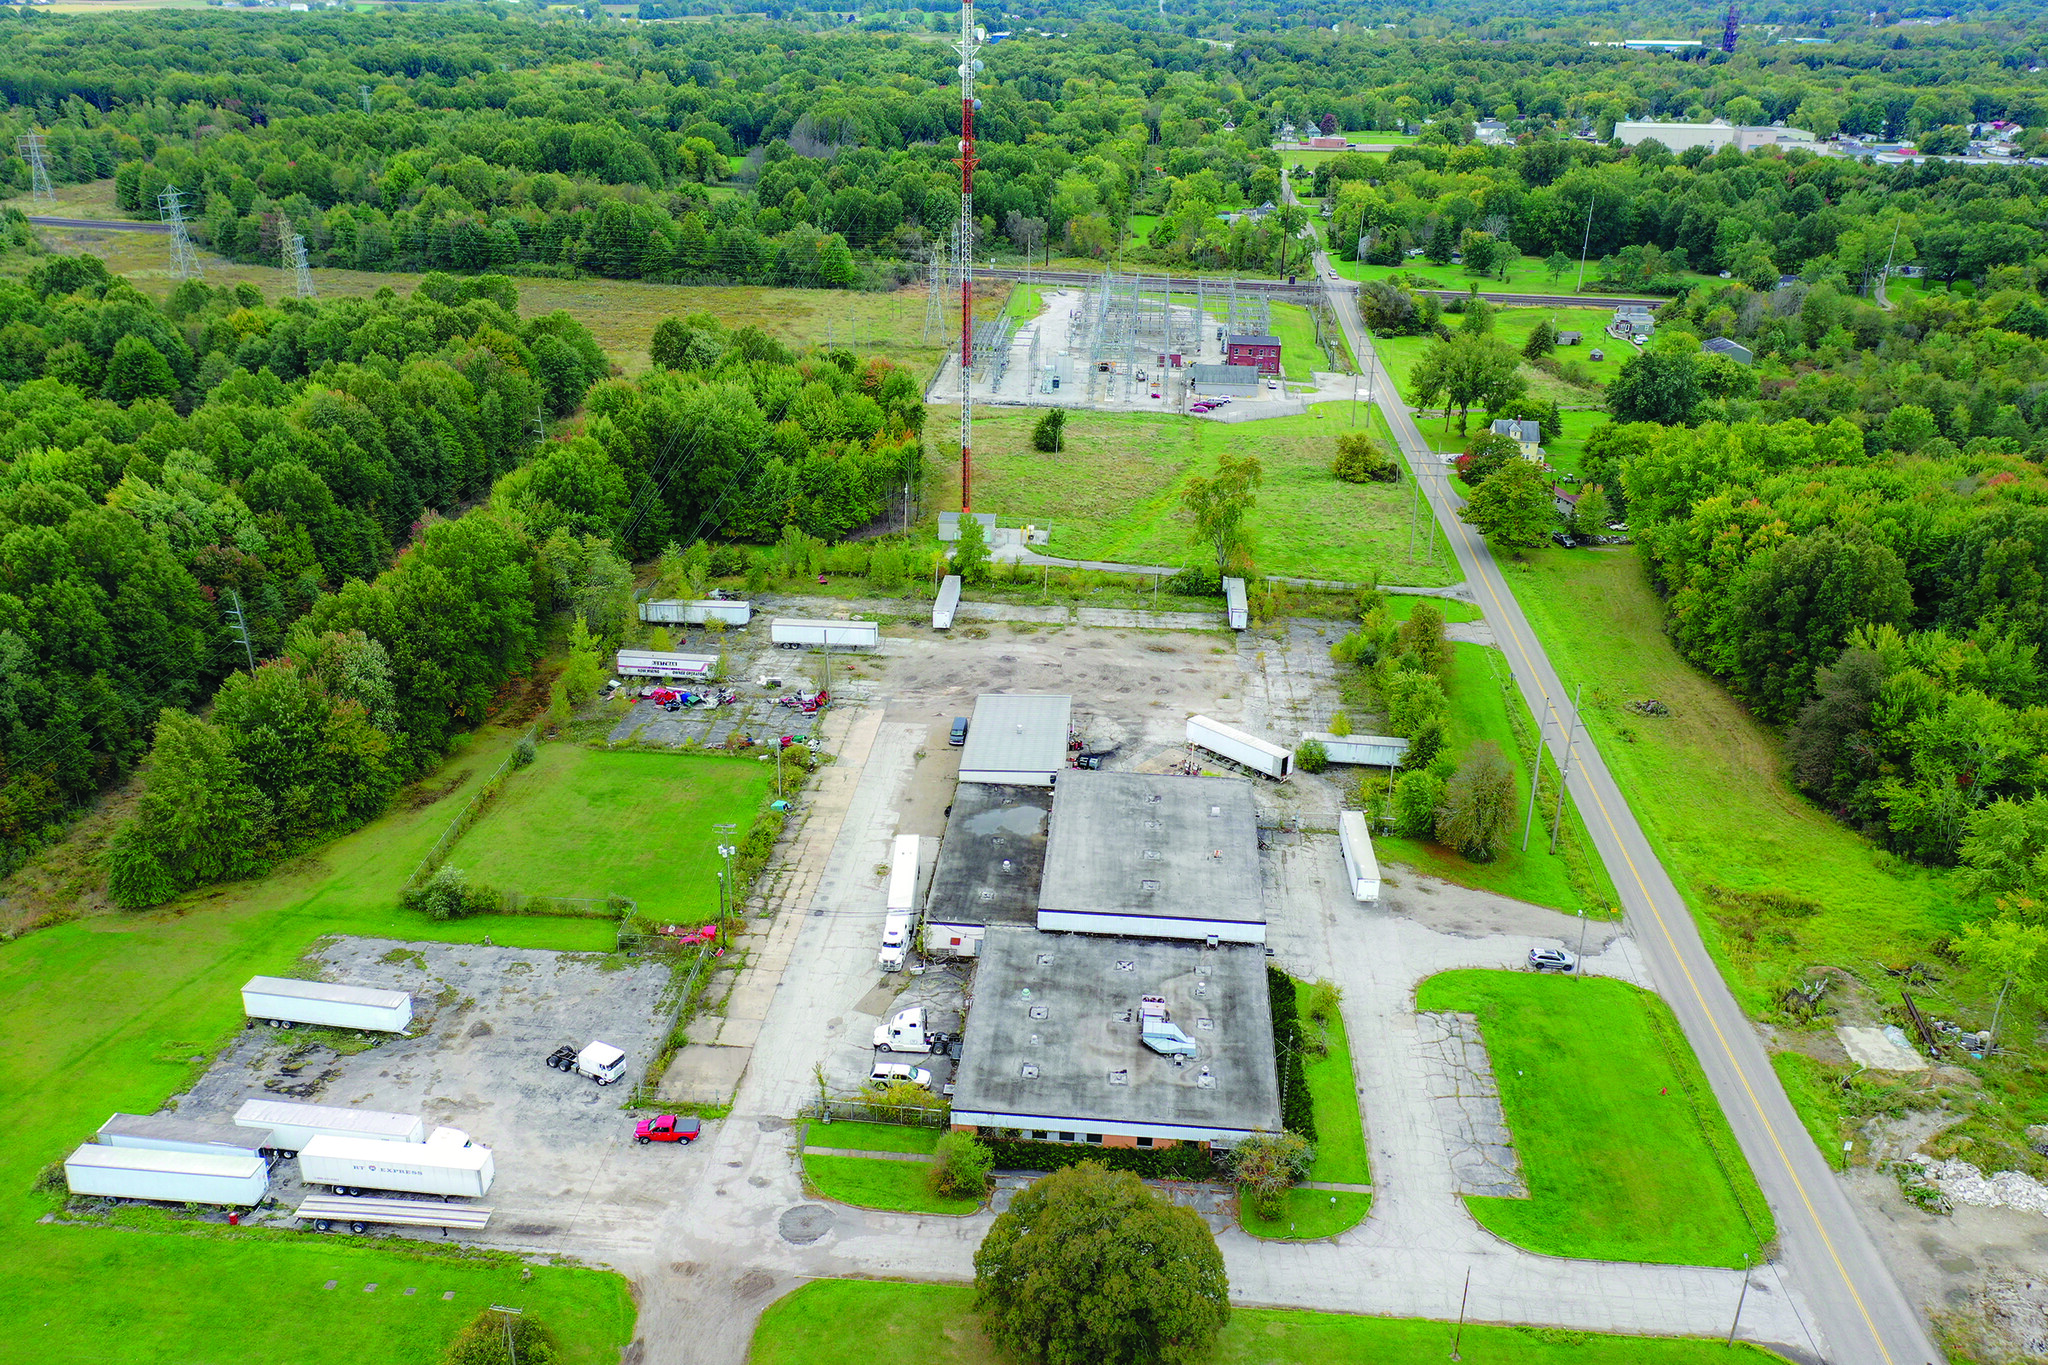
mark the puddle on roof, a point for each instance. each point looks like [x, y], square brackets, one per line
[1028, 821]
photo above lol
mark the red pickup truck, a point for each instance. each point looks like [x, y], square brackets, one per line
[667, 1128]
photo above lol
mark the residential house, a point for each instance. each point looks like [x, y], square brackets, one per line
[1528, 435]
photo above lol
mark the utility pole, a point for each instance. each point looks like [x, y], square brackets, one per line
[1587, 245]
[1739, 1300]
[728, 893]
[1541, 729]
[970, 43]
[1463, 1299]
[1565, 774]
[240, 628]
[1578, 963]
[41, 191]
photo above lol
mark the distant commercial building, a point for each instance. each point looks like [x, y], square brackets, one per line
[1262, 353]
[1223, 381]
[1678, 137]
[1017, 739]
[1735, 351]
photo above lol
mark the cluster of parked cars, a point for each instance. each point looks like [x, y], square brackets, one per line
[1208, 404]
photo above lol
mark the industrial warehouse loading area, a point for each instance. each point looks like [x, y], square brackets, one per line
[1150, 1027]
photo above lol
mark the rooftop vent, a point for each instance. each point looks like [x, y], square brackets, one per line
[1126, 965]
[1215, 811]
[987, 895]
[1122, 1016]
[1201, 989]
[1147, 884]
[1152, 797]
[1205, 1023]
[1045, 959]
[1031, 1071]
[1153, 854]
[1151, 824]
[1009, 866]
[1039, 1012]
[1119, 1078]
[1205, 1079]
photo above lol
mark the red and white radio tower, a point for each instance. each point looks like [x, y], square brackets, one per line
[970, 43]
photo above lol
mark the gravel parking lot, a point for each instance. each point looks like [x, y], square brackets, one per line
[485, 1019]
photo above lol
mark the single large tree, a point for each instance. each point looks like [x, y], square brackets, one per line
[1470, 370]
[1514, 508]
[1656, 386]
[1218, 504]
[1088, 1265]
[1478, 814]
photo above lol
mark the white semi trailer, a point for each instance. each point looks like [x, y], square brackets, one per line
[447, 1164]
[174, 1133]
[227, 1178]
[647, 663]
[948, 602]
[284, 1001]
[1239, 747]
[678, 612]
[792, 632]
[1361, 865]
[292, 1126]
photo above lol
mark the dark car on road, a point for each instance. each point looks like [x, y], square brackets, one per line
[959, 735]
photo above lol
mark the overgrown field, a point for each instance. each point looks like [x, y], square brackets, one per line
[1114, 492]
[1626, 1155]
[587, 822]
[120, 1012]
[886, 1322]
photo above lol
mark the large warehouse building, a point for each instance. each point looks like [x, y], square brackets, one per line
[1017, 739]
[990, 863]
[1055, 1046]
[1155, 856]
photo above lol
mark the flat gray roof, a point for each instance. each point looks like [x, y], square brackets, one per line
[175, 1128]
[1223, 374]
[1018, 732]
[1153, 844]
[992, 856]
[1071, 1050]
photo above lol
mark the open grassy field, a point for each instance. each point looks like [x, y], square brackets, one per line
[1398, 354]
[1340, 1153]
[1300, 356]
[1401, 608]
[1114, 493]
[621, 314]
[1708, 782]
[1625, 1153]
[1479, 711]
[888, 1322]
[585, 822]
[1527, 276]
[118, 1012]
[1565, 448]
[877, 1183]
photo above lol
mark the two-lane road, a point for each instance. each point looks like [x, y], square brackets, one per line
[1861, 1316]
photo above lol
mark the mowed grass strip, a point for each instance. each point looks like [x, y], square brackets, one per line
[873, 1137]
[1708, 782]
[890, 1322]
[1479, 712]
[588, 822]
[1340, 1152]
[1114, 493]
[119, 1012]
[1625, 1153]
[881, 1183]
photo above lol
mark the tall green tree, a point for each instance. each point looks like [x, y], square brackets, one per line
[1514, 509]
[1478, 814]
[1088, 1265]
[1218, 505]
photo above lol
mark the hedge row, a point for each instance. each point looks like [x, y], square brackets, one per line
[1297, 1106]
[1185, 1161]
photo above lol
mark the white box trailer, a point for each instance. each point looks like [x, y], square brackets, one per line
[793, 632]
[1234, 602]
[173, 1133]
[1361, 867]
[232, 1179]
[1374, 751]
[647, 663]
[948, 602]
[1239, 747]
[452, 1168]
[285, 1001]
[680, 612]
[292, 1126]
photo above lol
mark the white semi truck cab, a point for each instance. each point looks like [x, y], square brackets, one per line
[895, 938]
[905, 1032]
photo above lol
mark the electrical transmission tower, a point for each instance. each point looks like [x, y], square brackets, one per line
[1730, 28]
[41, 191]
[170, 207]
[238, 628]
[937, 277]
[292, 246]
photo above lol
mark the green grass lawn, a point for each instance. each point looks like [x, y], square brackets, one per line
[873, 1137]
[1114, 493]
[1565, 448]
[1625, 1153]
[1300, 356]
[1708, 783]
[888, 1322]
[1398, 355]
[875, 1183]
[1340, 1153]
[1527, 276]
[1479, 711]
[119, 1012]
[1401, 608]
[585, 822]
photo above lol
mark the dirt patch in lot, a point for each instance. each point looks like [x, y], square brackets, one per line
[485, 1019]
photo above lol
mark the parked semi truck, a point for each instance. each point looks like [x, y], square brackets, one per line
[292, 1126]
[231, 1179]
[447, 1164]
[600, 1061]
[283, 1001]
[174, 1133]
[677, 612]
[792, 632]
[902, 904]
[1239, 747]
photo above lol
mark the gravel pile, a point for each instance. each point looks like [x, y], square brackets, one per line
[1965, 1184]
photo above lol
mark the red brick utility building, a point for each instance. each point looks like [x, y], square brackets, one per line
[1261, 353]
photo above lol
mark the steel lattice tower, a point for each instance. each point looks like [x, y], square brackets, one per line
[170, 207]
[41, 191]
[292, 246]
[969, 44]
[1729, 29]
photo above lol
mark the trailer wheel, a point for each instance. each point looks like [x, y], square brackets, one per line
[359, 1228]
[321, 1225]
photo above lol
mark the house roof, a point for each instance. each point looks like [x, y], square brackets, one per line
[1253, 341]
[1532, 432]
[1723, 346]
